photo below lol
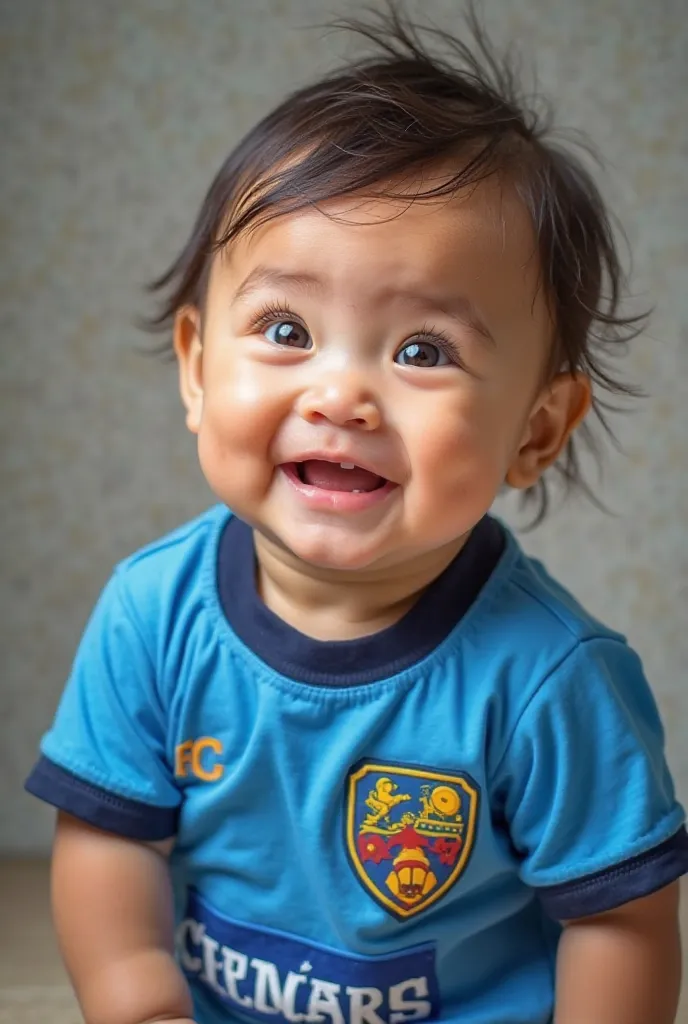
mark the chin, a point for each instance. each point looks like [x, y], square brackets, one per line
[344, 556]
[336, 561]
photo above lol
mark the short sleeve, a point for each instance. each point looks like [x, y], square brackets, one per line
[585, 788]
[104, 758]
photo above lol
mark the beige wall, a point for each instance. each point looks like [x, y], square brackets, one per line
[114, 115]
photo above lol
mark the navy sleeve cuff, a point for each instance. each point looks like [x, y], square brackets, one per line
[605, 890]
[98, 807]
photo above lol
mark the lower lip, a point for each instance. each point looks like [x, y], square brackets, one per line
[335, 501]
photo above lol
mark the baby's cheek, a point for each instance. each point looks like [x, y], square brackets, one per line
[236, 413]
[461, 464]
[488, 428]
[453, 443]
[232, 446]
[247, 392]
[236, 478]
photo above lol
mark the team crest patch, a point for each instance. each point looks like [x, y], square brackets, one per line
[409, 832]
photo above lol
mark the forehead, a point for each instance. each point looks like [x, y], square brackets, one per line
[362, 250]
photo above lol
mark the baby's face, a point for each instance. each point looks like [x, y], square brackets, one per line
[407, 341]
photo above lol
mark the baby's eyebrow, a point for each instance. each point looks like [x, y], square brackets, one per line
[455, 307]
[269, 277]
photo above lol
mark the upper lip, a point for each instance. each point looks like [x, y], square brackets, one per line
[337, 458]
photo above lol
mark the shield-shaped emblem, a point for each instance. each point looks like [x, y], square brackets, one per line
[409, 832]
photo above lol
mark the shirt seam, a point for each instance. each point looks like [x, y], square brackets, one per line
[569, 654]
[98, 779]
[589, 879]
[178, 536]
[551, 608]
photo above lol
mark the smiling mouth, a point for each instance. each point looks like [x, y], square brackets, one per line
[334, 476]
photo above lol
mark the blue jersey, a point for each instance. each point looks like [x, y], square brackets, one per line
[376, 831]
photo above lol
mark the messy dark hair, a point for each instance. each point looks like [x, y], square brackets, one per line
[422, 98]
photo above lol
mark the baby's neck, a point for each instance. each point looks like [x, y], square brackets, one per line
[331, 605]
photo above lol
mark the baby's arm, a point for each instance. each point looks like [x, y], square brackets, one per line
[623, 966]
[112, 905]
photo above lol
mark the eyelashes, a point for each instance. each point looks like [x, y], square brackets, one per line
[271, 313]
[438, 337]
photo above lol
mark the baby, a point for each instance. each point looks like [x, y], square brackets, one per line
[338, 751]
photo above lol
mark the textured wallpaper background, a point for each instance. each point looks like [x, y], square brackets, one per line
[113, 118]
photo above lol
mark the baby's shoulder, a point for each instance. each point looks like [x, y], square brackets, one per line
[172, 572]
[548, 671]
[537, 603]
[525, 604]
[527, 628]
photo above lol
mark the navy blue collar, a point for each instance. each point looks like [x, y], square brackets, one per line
[370, 658]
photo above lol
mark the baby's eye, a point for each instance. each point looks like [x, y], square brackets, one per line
[422, 353]
[288, 333]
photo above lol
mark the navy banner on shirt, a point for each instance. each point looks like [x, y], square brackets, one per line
[266, 975]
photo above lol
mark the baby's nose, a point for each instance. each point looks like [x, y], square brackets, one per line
[343, 402]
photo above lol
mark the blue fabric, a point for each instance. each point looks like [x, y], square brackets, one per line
[458, 804]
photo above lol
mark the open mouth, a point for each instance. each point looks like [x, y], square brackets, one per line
[337, 476]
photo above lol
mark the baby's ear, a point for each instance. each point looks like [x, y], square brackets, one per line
[559, 410]
[189, 352]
